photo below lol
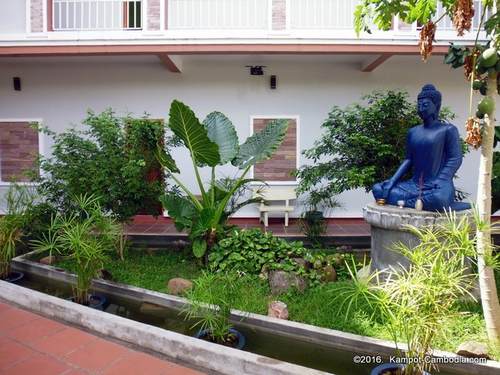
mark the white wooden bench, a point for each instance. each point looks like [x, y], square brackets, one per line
[275, 194]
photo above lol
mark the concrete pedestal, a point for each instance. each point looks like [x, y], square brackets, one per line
[388, 228]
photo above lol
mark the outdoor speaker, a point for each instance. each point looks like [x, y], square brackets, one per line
[273, 82]
[17, 83]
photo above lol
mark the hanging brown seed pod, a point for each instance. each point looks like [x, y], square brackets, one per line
[463, 13]
[469, 64]
[426, 38]
[473, 128]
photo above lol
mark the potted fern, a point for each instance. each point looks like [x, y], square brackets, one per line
[210, 307]
[415, 303]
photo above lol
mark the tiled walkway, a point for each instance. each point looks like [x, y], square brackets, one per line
[148, 225]
[34, 345]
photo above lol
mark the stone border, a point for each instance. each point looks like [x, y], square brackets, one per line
[299, 331]
[186, 349]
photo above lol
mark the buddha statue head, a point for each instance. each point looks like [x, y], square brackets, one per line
[429, 103]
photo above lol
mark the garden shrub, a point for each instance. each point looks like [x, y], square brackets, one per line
[250, 252]
[361, 145]
[111, 159]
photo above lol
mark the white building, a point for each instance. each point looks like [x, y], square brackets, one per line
[137, 56]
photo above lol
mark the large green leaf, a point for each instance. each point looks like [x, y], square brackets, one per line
[180, 209]
[193, 134]
[199, 247]
[262, 145]
[221, 131]
[165, 159]
[203, 222]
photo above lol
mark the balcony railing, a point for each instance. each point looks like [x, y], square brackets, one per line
[71, 15]
[304, 18]
[339, 15]
[218, 14]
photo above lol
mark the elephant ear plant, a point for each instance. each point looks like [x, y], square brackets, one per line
[415, 304]
[210, 144]
[86, 235]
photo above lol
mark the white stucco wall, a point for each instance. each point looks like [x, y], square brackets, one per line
[59, 90]
[12, 16]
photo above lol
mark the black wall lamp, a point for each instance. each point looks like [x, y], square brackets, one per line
[256, 70]
[17, 83]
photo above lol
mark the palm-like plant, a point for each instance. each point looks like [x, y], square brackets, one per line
[86, 235]
[210, 305]
[212, 143]
[416, 303]
[18, 200]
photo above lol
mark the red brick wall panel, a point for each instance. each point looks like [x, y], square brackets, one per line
[18, 150]
[284, 161]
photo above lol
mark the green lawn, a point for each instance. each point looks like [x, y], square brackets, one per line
[314, 306]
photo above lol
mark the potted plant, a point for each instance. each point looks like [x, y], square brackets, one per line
[10, 236]
[18, 201]
[313, 222]
[86, 236]
[415, 303]
[210, 303]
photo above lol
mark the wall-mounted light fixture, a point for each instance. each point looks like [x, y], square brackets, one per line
[17, 83]
[256, 70]
[273, 82]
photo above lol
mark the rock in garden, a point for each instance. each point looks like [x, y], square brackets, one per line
[329, 274]
[178, 285]
[281, 282]
[473, 349]
[301, 262]
[48, 260]
[105, 275]
[277, 309]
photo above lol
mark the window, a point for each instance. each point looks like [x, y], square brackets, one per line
[19, 150]
[284, 161]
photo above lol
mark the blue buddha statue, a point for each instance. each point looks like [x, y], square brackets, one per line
[434, 154]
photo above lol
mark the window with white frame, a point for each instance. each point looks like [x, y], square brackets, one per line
[19, 150]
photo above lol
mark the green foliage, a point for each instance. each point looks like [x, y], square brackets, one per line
[361, 144]
[150, 270]
[314, 226]
[13, 225]
[252, 252]
[213, 142]
[211, 305]
[417, 304]
[248, 251]
[87, 236]
[113, 158]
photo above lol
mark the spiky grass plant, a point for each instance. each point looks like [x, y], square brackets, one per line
[17, 200]
[415, 303]
[87, 235]
[210, 305]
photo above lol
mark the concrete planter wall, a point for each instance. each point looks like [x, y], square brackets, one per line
[191, 350]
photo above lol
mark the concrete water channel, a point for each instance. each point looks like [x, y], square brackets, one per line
[153, 321]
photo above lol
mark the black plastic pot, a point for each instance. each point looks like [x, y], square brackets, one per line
[14, 277]
[388, 367]
[241, 338]
[96, 301]
[313, 217]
